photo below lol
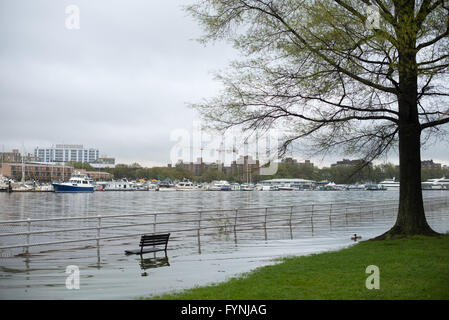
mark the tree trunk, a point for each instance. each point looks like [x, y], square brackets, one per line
[411, 219]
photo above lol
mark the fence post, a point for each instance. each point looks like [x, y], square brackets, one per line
[346, 216]
[28, 235]
[235, 225]
[154, 223]
[290, 222]
[265, 224]
[98, 230]
[330, 217]
[199, 231]
[311, 218]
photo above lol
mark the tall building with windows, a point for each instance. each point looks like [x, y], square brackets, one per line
[66, 153]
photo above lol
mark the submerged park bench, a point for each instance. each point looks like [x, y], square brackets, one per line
[155, 241]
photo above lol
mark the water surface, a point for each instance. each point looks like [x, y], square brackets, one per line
[106, 273]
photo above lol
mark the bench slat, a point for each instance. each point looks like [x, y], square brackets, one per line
[151, 240]
[154, 238]
[146, 244]
[155, 235]
[137, 251]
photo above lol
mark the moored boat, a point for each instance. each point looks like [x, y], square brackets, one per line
[247, 187]
[436, 184]
[119, 185]
[166, 185]
[285, 187]
[390, 184]
[375, 187]
[185, 185]
[77, 183]
[221, 185]
[356, 187]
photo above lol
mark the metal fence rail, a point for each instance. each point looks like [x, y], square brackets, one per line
[195, 224]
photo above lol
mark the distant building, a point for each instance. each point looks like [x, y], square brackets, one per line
[307, 163]
[243, 168]
[104, 162]
[289, 161]
[13, 156]
[349, 163]
[40, 172]
[30, 158]
[429, 164]
[296, 162]
[65, 153]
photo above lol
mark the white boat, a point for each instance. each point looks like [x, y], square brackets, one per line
[390, 184]
[374, 187]
[285, 187]
[247, 187]
[331, 186]
[4, 183]
[235, 187]
[355, 187]
[78, 183]
[269, 188]
[153, 187]
[221, 185]
[120, 185]
[185, 186]
[140, 185]
[20, 186]
[288, 184]
[436, 184]
[166, 186]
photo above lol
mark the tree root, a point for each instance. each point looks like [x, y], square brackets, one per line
[397, 232]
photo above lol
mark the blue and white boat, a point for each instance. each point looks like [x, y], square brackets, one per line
[77, 183]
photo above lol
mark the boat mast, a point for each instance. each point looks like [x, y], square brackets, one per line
[3, 155]
[63, 161]
[23, 164]
[247, 157]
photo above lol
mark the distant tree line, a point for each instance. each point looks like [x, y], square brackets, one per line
[337, 174]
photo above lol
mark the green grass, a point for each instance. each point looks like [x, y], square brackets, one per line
[412, 268]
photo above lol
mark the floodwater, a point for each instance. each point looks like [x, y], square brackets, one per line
[220, 253]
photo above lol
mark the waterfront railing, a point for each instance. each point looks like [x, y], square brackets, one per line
[198, 224]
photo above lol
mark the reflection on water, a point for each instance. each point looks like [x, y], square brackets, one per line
[151, 263]
[107, 273]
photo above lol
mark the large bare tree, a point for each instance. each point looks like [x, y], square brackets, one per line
[357, 75]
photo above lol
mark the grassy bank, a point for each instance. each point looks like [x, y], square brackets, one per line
[414, 268]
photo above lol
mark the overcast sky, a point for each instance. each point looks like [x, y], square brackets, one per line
[120, 83]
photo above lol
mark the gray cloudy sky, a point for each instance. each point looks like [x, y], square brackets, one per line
[120, 83]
